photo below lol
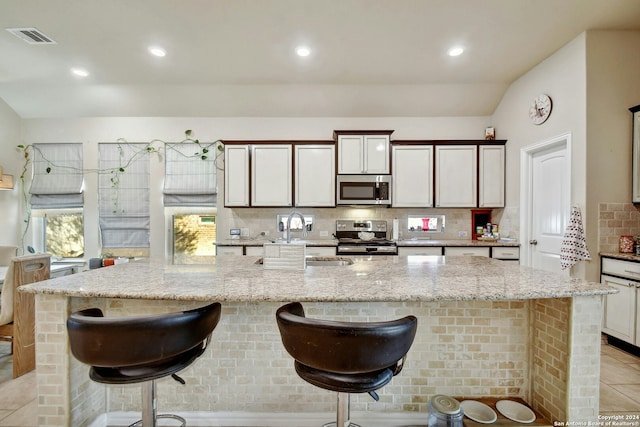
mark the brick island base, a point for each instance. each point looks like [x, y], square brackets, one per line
[545, 351]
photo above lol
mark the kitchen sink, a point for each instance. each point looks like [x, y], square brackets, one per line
[322, 261]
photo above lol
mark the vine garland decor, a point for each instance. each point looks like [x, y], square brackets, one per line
[154, 146]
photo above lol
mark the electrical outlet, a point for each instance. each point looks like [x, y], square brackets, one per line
[462, 234]
[264, 233]
[324, 233]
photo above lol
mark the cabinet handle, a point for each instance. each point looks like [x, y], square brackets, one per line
[632, 272]
[533, 242]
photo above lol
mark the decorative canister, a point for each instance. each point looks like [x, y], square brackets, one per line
[444, 411]
[626, 244]
[637, 245]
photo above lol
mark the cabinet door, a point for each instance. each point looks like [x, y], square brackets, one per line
[228, 251]
[271, 175]
[321, 251]
[236, 175]
[431, 250]
[412, 176]
[456, 176]
[491, 176]
[315, 175]
[635, 197]
[466, 251]
[376, 154]
[350, 158]
[620, 309]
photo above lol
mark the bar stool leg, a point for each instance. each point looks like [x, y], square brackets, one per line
[343, 413]
[150, 408]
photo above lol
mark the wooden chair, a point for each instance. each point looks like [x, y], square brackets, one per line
[6, 253]
[17, 311]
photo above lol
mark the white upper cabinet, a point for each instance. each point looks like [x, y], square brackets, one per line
[412, 176]
[271, 175]
[236, 175]
[456, 176]
[491, 176]
[363, 154]
[315, 175]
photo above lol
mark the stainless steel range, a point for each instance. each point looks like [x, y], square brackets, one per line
[364, 237]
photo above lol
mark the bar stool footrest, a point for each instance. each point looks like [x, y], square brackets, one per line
[164, 416]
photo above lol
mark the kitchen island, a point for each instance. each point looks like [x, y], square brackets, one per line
[486, 328]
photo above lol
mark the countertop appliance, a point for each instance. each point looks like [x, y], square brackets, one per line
[363, 190]
[364, 237]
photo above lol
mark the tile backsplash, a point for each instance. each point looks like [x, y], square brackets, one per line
[458, 221]
[614, 220]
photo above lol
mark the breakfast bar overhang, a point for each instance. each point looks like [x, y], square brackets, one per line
[485, 328]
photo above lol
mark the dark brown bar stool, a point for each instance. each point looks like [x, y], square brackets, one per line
[141, 349]
[346, 357]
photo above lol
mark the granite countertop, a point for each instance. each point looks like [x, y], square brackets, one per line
[406, 242]
[378, 278]
[617, 255]
[466, 243]
[260, 242]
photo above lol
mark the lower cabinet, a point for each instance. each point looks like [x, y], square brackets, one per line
[505, 253]
[433, 250]
[259, 251]
[228, 250]
[466, 251]
[620, 317]
[253, 251]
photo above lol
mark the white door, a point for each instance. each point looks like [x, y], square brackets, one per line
[545, 192]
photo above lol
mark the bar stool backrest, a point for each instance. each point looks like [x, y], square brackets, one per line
[344, 347]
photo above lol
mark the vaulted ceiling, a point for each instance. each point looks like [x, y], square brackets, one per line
[237, 57]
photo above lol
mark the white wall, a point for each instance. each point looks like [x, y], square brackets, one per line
[613, 85]
[92, 131]
[10, 200]
[593, 80]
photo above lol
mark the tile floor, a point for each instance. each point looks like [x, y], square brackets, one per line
[619, 388]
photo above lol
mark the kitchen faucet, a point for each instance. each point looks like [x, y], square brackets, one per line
[288, 229]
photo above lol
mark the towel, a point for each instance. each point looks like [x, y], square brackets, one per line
[574, 245]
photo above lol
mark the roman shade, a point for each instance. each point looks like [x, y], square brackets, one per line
[57, 176]
[189, 179]
[123, 198]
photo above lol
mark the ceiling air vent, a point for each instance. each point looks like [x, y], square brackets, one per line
[31, 35]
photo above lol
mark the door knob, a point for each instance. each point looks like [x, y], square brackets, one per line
[533, 242]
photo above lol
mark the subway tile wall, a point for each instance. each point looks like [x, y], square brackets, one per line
[616, 219]
[463, 348]
[257, 220]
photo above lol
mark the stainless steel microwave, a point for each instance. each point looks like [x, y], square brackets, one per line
[363, 190]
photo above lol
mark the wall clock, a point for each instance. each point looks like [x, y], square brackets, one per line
[540, 109]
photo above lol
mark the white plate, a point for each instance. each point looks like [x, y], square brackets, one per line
[478, 411]
[515, 411]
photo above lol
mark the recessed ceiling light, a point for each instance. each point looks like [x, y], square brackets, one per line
[80, 72]
[456, 51]
[303, 51]
[157, 51]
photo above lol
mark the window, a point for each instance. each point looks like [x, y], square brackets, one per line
[124, 198]
[56, 199]
[58, 232]
[64, 235]
[425, 224]
[194, 238]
